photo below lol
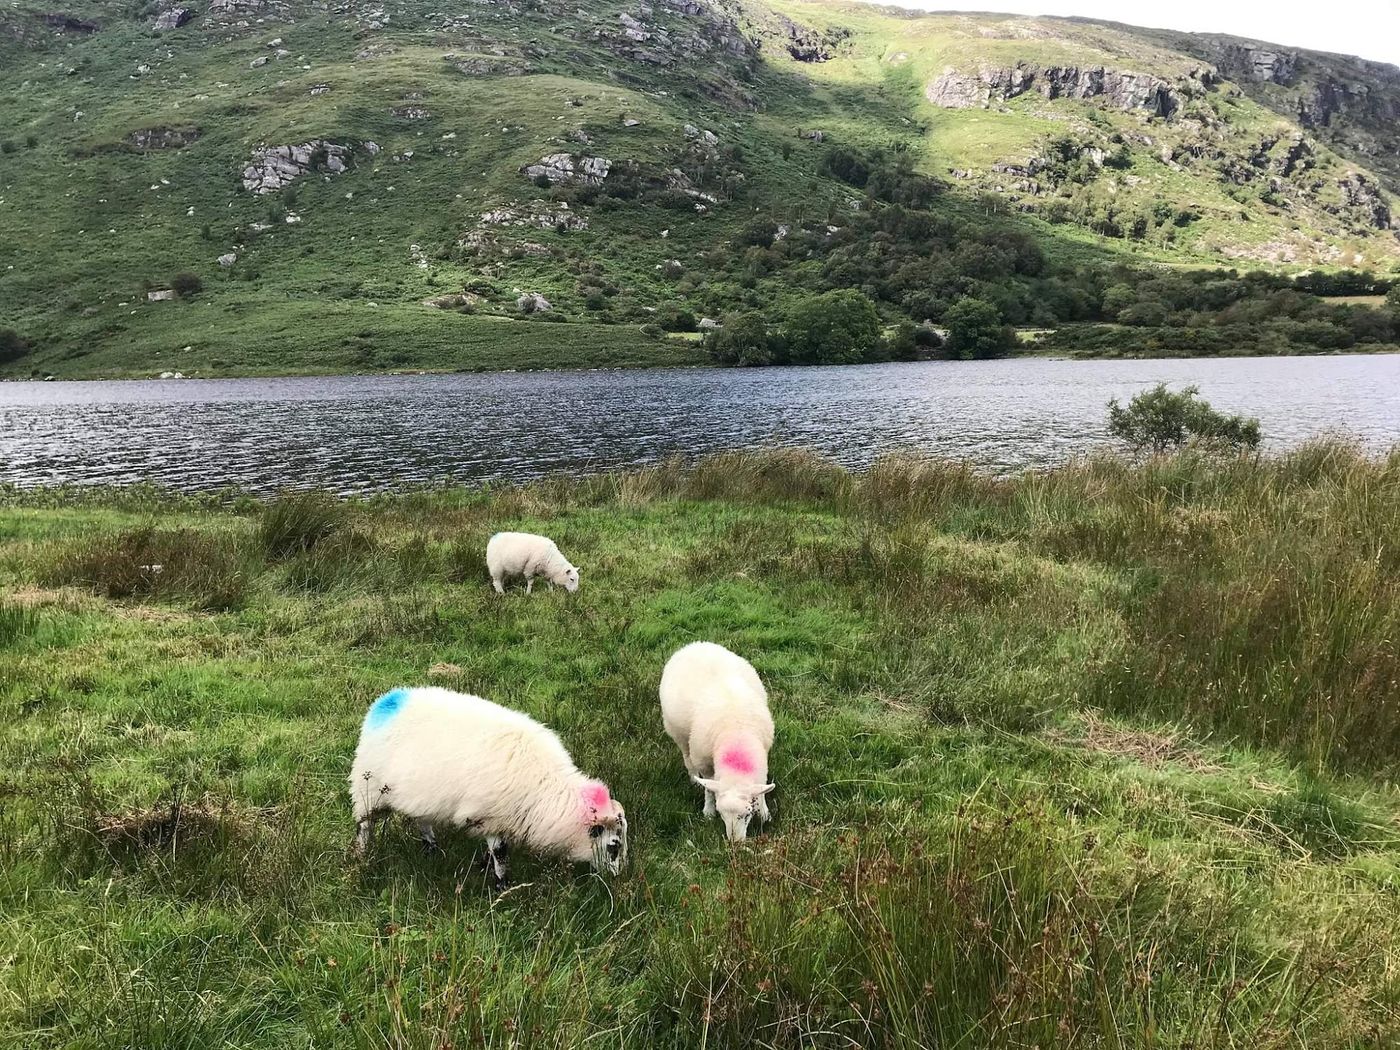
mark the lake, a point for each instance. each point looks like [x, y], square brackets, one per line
[359, 434]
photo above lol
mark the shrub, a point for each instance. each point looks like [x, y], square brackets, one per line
[839, 327]
[298, 521]
[975, 330]
[1159, 419]
[12, 345]
[8, 146]
[742, 340]
[186, 284]
[675, 318]
[31, 141]
[902, 343]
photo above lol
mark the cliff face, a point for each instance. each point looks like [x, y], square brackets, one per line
[1125, 89]
[1350, 103]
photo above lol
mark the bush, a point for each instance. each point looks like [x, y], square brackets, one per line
[743, 340]
[975, 330]
[1160, 420]
[12, 345]
[675, 318]
[186, 284]
[296, 522]
[902, 344]
[838, 328]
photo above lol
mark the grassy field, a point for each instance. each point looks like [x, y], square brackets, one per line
[1102, 757]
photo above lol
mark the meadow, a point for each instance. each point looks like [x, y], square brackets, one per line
[1098, 757]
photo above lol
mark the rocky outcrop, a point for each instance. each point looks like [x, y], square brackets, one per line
[1365, 199]
[1251, 62]
[537, 214]
[806, 44]
[173, 18]
[163, 137]
[274, 167]
[487, 66]
[533, 303]
[227, 259]
[1126, 89]
[565, 167]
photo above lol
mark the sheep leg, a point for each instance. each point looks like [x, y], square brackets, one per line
[763, 809]
[710, 810]
[363, 826]
[498, 585]
[498, 860]
[529, 584]
[428, 836]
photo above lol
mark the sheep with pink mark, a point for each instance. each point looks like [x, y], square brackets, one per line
[715, 708]
[443, 757]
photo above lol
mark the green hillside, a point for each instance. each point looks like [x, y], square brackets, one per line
[371, 187]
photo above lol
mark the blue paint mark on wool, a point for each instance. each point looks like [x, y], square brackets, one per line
[383, 710]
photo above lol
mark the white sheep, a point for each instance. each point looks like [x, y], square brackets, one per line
[528, 555]
[436, 755]
[715, 708]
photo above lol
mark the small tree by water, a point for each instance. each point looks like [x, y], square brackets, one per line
[1159, 420]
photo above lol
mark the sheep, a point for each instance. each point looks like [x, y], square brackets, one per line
[435, 755]
[715, 708]
[528, 555]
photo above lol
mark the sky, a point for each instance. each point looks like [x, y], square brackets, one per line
[1369, 28]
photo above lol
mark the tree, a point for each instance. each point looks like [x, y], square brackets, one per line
[975, 330]
[742, 340]
[838, 328]
[1159, 420]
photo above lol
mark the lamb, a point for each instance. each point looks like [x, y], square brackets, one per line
[528, 555]
[435, 755]
[715, 708]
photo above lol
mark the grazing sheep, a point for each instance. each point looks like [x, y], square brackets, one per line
[716, 710]
[436, 755]
[528, 555]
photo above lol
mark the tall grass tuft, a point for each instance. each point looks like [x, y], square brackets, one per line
[212, 570]
[296, 522]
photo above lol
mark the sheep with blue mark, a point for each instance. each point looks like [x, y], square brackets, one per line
[715, 708]
[444, 757]
[525, 554]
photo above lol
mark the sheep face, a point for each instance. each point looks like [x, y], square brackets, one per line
[607, 844]
[602, 838]
[568, 579]
[736, 804]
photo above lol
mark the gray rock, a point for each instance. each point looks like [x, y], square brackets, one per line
[173, 18]
[956, 89]
[533, 303]
[709, 324]
[160, 295]
[565, 167]
[273, 167]
[227, 260]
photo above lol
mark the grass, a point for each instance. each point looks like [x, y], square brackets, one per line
[1100, 757]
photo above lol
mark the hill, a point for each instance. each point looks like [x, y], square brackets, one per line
[366, 186]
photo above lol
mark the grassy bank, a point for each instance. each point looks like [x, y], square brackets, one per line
[288, 337]
[1103, 757]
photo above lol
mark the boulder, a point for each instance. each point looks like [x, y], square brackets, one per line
[227, 260]
[533, 303]
[163, 137]
[160, 295]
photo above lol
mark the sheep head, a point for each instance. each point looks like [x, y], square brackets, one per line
[737, 804]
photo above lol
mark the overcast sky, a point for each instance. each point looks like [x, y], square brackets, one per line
[1369, 28]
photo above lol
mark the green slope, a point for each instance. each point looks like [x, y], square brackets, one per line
[125, 146]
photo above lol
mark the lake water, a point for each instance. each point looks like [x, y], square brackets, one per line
[372, 433]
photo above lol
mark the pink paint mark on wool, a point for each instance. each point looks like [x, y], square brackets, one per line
[596, 796]
[737, 759]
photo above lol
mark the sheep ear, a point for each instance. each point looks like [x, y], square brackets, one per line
[708, 785]
[767, 788]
